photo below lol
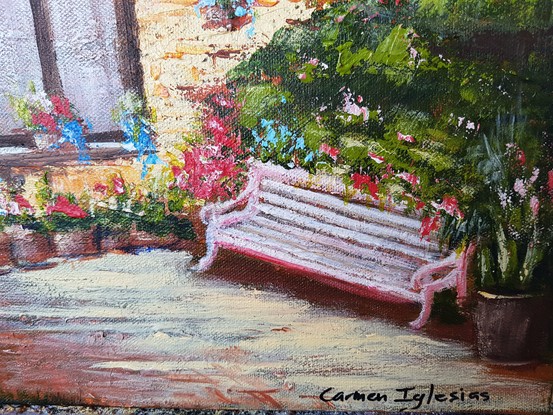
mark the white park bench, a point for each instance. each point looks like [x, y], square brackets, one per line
[301, 221]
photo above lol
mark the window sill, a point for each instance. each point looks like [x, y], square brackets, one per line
[28, 157]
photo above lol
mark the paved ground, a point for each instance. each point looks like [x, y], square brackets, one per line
[144, 331]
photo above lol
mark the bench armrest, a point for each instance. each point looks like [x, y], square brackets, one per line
[212, 210]
[423, 276]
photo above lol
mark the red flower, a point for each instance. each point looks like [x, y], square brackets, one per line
[403, 137]
[118, 185]
[550, 182]
[362, 181]
[45, 120]
[420, 205]
[331, 151]
[429, 225]
[22, 202]
[378, 159]
[61, 107]
[410, 178]
[521, 157]
[450, 206]
[63, 205]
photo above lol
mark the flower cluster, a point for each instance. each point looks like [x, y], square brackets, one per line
[43, 113]
[214, 169]
[52, 115]
[136, 124]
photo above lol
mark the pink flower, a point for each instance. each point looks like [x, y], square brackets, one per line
[550, 182]
[450, 206]
[403, 137]
[101, 188]
[410, 178]
[520, 188]
[378, 159]
[535, 205]
[118, 185]
[63, 205]
[364, 181]
[302, 76]
[350, 107]
[420, 205]
[429, 225]
[331, 151]
[313, 61]
[13, 209]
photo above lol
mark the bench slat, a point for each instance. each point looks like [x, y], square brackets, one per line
[323, 253]
[367, 225]
[234, 239]
[287, 216]
[391, 261]
[338, 205]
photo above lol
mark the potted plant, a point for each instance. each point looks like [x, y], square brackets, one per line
[29, 239]
[52, 119]
[111, 206]
[5, 256]
[70, 226]
[510, 222]
[230, 15]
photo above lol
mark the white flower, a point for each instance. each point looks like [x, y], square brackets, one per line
[503, 199]
[535, 174]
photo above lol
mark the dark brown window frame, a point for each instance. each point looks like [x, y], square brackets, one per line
[128, 54]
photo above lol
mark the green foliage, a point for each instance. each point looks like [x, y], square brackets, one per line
[359, 77]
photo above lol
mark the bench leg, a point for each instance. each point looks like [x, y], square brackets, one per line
[207, 259]
[427, 295]
[427, 301]
[211, 252]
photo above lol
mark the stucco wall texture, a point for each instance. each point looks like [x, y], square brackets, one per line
[179, 57]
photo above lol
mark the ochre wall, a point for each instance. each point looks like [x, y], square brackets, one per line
[179, 56]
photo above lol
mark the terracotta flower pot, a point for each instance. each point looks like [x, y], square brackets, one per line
[76, 243]
[5, 254]
[512, 328]
[217, 17]
[29, 247]
[197, 224]
[143, 239]
[114, 240]
[45, 140]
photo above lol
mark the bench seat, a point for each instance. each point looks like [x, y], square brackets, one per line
[302, 222]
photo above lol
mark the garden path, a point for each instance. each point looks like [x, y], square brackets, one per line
[143, 330]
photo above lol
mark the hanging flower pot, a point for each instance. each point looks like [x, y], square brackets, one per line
[29, 247]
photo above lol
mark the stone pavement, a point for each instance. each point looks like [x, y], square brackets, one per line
[142, 330]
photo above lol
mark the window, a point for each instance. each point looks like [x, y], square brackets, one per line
[87, 53]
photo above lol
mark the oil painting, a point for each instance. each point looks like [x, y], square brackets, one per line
[276, 205]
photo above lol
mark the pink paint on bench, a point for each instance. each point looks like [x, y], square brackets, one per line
[301, 221]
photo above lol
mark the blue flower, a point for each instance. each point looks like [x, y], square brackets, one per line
[72, 132]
